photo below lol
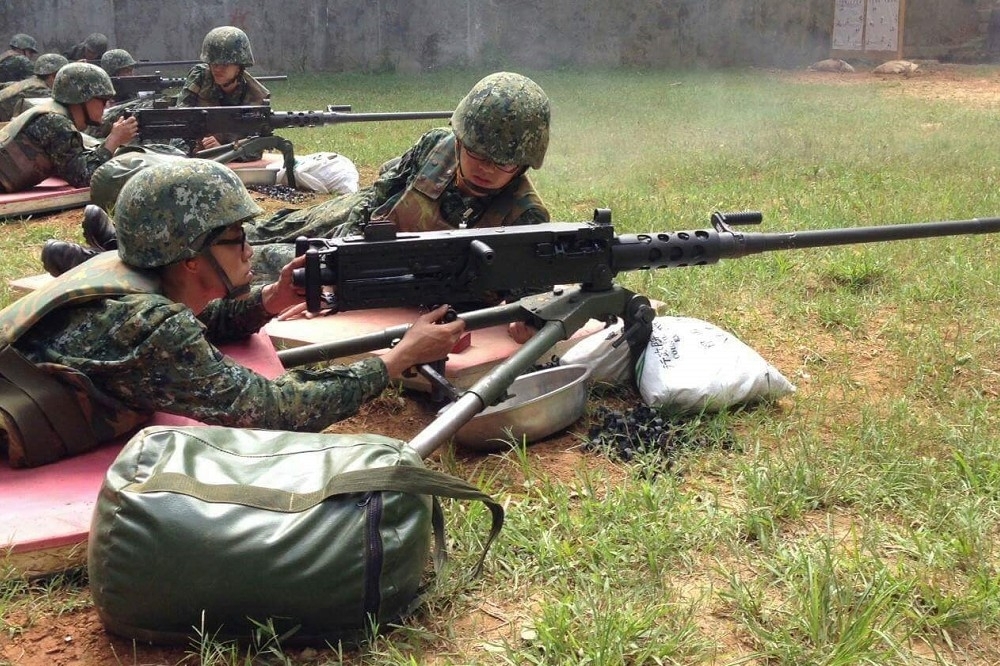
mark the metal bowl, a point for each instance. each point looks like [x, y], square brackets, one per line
[539, 404]
[257, 176]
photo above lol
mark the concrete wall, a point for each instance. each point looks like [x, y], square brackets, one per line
[413, 35]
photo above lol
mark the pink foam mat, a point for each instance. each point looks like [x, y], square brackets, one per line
[47, 188]
[49, 507]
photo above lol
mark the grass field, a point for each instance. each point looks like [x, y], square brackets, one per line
[855, 522]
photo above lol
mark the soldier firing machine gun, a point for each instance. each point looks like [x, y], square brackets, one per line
[254, 125]
[131, 87]
[387, 269]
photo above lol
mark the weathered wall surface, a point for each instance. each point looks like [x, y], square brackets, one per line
[411, 35]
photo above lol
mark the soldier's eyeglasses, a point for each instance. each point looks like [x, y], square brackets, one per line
[240, 240]
[506, 168]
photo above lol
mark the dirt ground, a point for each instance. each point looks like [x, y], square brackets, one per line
[77, 637]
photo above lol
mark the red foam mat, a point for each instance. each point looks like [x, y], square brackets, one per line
[45, 511]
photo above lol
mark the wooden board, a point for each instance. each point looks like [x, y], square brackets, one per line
[47, 510]
[50, 195]
[55, 194]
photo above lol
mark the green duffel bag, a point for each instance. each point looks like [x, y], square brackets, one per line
[214, 531]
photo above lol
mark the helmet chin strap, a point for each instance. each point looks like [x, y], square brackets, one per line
[232, 292]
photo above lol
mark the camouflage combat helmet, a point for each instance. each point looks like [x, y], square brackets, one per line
[17, 68]
[164, 213]
[96, 43]
[49, 63]
[78, 82]
[116, 59]
[506, 118]
[226, 45]
[24, 42]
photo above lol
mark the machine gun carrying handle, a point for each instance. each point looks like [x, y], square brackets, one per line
[723, 222]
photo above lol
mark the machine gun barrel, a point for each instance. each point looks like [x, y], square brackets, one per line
[154, 63]
[281, 119]
[468, 265]
[707, 246]
[194, 123]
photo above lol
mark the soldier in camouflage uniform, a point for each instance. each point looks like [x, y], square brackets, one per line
[180, 225]
[117, 62]
[473, 174]
[15, 62]
[221, 78]
[39, 85]
[46, 141]
[91, 48]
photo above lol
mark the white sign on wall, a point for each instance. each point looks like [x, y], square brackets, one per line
[868, 26]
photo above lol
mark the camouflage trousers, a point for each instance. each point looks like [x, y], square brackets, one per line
[273, 238]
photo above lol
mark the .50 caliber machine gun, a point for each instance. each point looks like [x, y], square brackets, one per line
[387, 269]
[252, 125]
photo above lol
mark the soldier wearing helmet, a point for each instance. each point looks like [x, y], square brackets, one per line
[221, 78]
[34, 87]
[45, 140]
[90, 49]
[13, 69]
[15, 62]
[118, 62]
[182, 248]
[472, 174]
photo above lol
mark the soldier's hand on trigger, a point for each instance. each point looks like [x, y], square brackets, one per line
[122, 132]
[428, 340]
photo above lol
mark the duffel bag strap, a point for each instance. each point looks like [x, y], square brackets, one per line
[412, 480]
[48, 420]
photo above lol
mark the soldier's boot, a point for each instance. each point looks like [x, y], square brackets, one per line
[98, 229]
[59, 256]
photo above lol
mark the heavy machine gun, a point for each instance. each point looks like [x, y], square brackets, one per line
[253, 125]
[386, 269]
[131, 87]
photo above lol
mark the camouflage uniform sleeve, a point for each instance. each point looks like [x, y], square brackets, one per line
[228, 320]
[64, 146]
[391, 183]
[185, 374]
[152, 355]
[193, 85]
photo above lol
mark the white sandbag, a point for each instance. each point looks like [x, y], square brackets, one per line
[607, 363]
[326, 173]
[691, 365]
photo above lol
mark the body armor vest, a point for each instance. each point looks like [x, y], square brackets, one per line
[23, 163]
[50, 411]
[417, 208]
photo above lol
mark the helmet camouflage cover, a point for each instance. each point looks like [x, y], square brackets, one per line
[49, 63]
[506, 118]
[78, 82]
[96, 43]
[226, 45]
[23, 41]
[16, 68]
[164, 213]
[116, 59]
